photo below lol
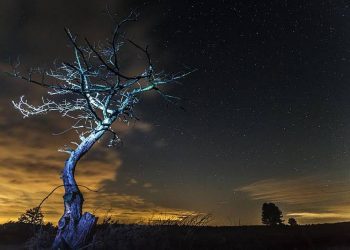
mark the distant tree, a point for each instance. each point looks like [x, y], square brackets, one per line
[292, 222]
[271, 215]
[32, 216]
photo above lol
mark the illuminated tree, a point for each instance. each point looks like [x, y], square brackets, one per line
[95, 92]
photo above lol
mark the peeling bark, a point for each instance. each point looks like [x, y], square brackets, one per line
[75, 229]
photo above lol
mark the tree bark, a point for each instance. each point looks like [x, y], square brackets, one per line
[75, 229]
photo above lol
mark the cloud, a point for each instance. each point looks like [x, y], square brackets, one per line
[133, 126]
[132, 181]
[147, 185]
[310, 198]
[30, 168]
[28, 175]
[319, 215]
[311, 189]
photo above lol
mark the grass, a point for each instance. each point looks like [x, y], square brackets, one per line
[184, 235]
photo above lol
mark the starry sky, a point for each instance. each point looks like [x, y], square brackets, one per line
[266, 114]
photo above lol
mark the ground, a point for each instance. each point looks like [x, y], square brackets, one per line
[128, 237]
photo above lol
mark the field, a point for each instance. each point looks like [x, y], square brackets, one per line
[123, 237]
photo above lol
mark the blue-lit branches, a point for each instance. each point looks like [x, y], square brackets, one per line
[92, 89]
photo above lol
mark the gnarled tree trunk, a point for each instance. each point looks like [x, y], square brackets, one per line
[75, 229]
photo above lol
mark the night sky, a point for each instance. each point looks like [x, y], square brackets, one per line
[267, 113]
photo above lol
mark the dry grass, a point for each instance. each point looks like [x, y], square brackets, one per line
[188, 233]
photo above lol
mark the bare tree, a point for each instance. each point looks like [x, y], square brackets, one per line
[95, 93]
